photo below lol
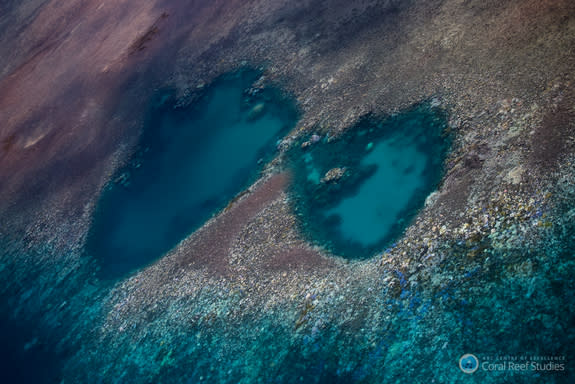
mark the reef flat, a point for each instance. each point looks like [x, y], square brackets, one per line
[485, 267]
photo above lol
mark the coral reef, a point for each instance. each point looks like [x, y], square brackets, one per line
[485, 268]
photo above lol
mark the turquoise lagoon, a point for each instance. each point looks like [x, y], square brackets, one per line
[387, 166]
[189, 164]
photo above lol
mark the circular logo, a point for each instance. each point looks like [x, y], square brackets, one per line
[468, 363]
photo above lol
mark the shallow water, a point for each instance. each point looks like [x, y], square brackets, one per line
[390, 166]
[377, 205]
[191, 162]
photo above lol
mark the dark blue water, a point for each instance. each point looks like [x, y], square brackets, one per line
[25, 357]
[386, 170]
[190, 163]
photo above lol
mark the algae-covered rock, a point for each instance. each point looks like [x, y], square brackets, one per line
[334, 175]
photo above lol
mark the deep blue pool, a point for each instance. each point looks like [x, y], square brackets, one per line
[190, 163]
